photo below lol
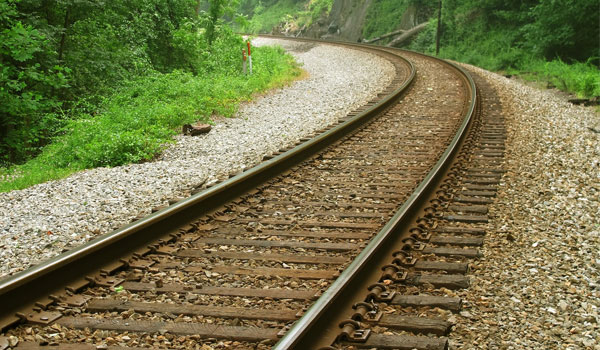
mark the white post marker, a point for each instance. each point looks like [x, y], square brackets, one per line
[249, 58]
[244, 61]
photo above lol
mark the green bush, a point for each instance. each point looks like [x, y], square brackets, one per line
[110, 83]
[317, 8]
[501, 49]
[265, 15]
[580, 78]
[497, 51]
[565, 29]
[57, 55]
[425, 41]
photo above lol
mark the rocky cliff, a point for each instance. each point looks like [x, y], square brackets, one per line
[347, 19]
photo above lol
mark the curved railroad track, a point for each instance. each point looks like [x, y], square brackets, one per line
[357, 221]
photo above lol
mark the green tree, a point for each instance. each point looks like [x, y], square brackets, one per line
[28, 90]
[513, 29]
[213, 19]
[568, 29]
[61, 54]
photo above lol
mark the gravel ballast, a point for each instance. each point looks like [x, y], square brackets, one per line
[44, 220]
[538, 284]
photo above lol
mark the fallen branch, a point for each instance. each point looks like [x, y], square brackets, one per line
[586, 101]
[384, 36]
[408, 34]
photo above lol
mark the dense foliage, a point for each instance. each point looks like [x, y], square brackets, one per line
[143, 115]
[551, 40]
[56, 52]
[87, 83]
[548, 39]
[30, 87]
[567, 29]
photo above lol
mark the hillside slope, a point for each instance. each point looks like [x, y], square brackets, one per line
[351, 20]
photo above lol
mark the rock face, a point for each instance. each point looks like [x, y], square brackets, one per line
[345, 21]
[349, 16]
[409, 18]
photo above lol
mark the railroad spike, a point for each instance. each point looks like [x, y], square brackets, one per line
[380, 293]
[352, 331]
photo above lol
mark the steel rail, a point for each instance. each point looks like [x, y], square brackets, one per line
[402, 218]
[22, 290]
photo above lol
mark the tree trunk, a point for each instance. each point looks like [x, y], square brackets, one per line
[394, 33]
[198, 4]
[63, 36]
[408, 35]
[439, 30]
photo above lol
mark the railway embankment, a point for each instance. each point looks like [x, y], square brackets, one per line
[44, 220]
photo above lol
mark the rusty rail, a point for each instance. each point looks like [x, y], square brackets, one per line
[302, 329]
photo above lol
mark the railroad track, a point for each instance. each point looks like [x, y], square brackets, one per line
[350, 221]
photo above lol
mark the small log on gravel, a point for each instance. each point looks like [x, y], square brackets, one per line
[585, 101]
[196, 129]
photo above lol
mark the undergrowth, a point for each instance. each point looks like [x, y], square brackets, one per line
[583, 79]
[499, 51]
[139, 119]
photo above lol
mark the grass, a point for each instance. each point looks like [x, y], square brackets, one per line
[138, 120]
[582, 79]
